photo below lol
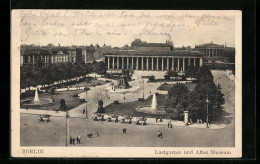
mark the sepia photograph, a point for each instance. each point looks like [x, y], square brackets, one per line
[126, 83]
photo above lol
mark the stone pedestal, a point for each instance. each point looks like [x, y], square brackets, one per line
[186, 117]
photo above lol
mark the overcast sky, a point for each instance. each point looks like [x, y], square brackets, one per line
[117, 28]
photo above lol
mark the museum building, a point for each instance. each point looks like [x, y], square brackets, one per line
[152, 57]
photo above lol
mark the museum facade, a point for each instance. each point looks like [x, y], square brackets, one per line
[152, 60]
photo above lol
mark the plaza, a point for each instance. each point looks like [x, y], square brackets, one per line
[53, 133]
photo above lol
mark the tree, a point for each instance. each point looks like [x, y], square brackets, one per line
[191, 71]
[100, 107]
[205, 73]
[197, 98]
[63, 105]
[151, 79]
[100, 67]
[177, 99]
[167, 77]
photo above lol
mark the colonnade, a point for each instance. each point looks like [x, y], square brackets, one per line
[213, 52]
[152, 63]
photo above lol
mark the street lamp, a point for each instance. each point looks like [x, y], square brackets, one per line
[143, 87]
[86, 110]
[67, 131]
[207, 102]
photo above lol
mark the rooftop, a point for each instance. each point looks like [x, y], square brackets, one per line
[211, 44]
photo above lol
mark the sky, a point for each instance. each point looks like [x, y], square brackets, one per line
[120, 27]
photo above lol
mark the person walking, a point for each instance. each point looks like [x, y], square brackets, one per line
[159, 134]
[98, 134]
[73, 141]
[156, 118]
[70, 140]
[79, 139]
[84, 110]
[124, 131]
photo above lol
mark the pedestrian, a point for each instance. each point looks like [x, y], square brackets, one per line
[70, 140]
[161, 119]
[159, 134]
[84, 110]
[168, 124]
[98, 134]
[27, 107]
[79, 139]
[73, 140]
[124, 131]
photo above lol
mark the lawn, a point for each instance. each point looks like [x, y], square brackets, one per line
[167, 87]
[91, 83]
[129, 107]
[71, 101]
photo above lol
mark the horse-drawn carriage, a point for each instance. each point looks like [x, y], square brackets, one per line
[114, 118]
[141, 121]
[126, 119]
[44, 118]
[98, 117]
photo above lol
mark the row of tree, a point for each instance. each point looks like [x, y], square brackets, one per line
[181, 99]
[46, 75]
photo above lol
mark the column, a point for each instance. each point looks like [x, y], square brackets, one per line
[29, 59]
[188, 61]
[123, 64]
[168, 63]
[33, 59]
[142, 63]
[117, 63]
[222, 52]
[113, 64]
[172, 64]
[183, 64]
[51, 58]
[200, 62]
[194, 62]
[147, 64]
[162, 65]
[178, 68]
[132, 63]
[127, 62]
[152, 64]
[137, 63]
[157, 65]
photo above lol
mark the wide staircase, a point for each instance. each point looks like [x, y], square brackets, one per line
[156, 74]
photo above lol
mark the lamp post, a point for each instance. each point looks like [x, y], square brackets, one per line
[67, 131]
[86, 110]
[143, 87]
[207, 102]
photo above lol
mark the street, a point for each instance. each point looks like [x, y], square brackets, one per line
[53, 133]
